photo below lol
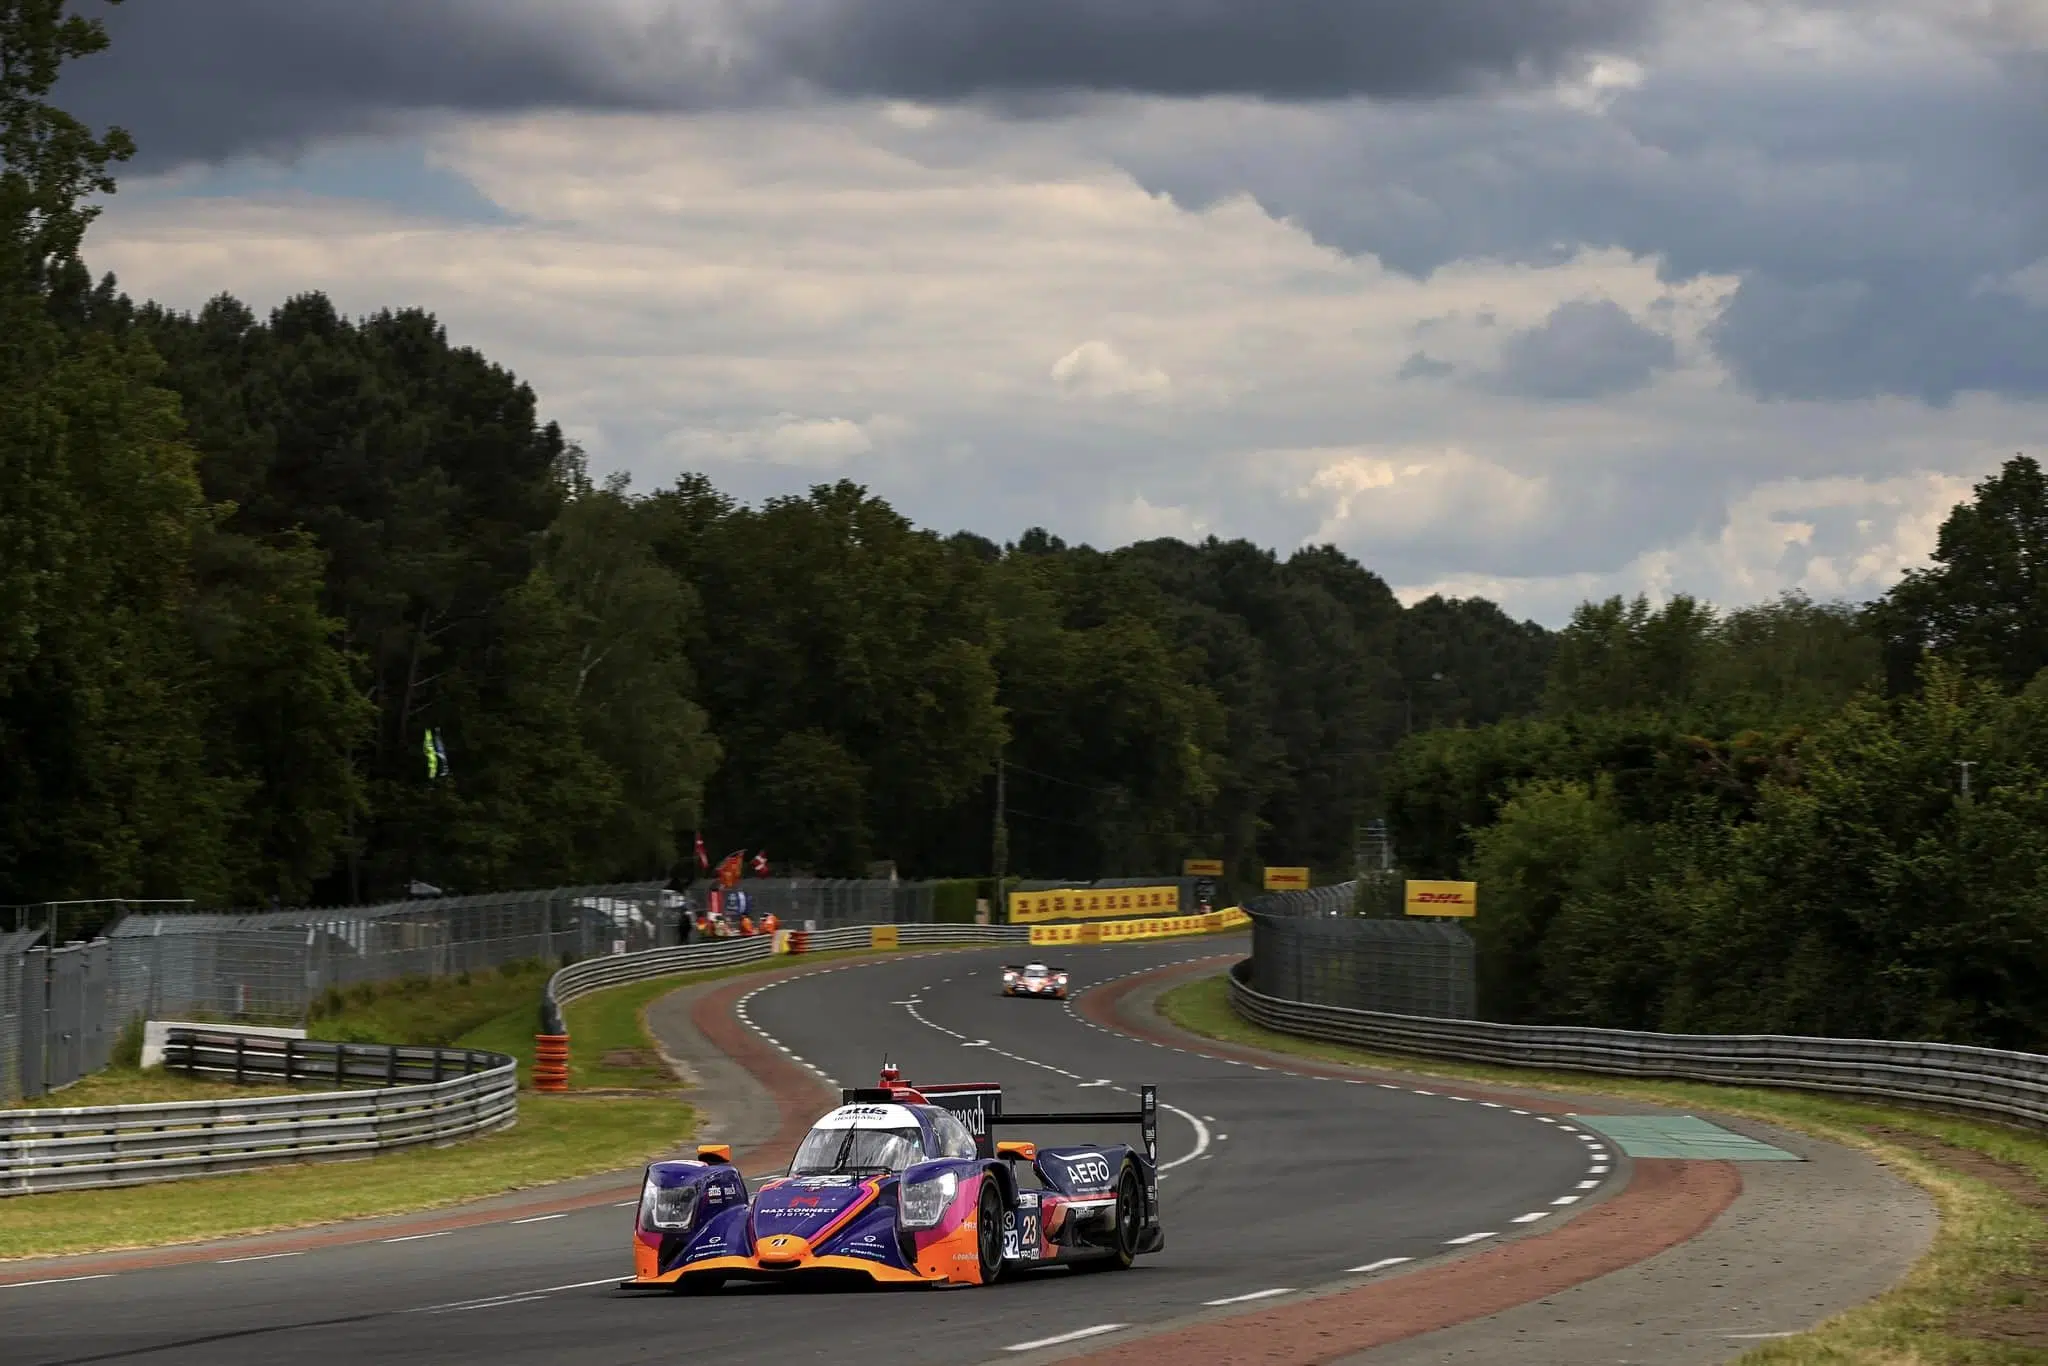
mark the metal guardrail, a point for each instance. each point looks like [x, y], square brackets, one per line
[408, 1096]
[595, 974]
[2008, 1085]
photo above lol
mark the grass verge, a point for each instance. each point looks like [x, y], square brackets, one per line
[133, 1086]
[1978, 1298]
[556, 1139]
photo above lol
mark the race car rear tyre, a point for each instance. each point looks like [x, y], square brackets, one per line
[988, 1240]
[1130, 1214]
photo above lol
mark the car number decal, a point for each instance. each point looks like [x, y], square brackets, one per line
[1020, 1237]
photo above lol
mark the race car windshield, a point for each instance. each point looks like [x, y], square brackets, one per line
[853, 1150]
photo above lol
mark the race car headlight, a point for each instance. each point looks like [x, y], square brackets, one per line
[667, 1207]
[923, 1203]
[1009, 977]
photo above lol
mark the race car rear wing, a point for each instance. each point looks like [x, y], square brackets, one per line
[980, 1107]
[1146, 1117]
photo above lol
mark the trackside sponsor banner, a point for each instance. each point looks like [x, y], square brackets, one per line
[1443, 898]
[1082, 903]
[1155, 927]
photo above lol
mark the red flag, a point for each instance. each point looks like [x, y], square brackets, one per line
[729, 869]
[703, 859]
[761, 863]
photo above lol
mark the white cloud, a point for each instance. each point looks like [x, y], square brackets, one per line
[993, 326]
[807, 443]
[1829, 538]
[1095, 369]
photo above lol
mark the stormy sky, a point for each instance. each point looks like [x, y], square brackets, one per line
[1532, 298]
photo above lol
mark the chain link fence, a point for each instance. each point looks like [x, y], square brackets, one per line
[14, 947]
[273, 965]
[823, 903]
[1309, 946]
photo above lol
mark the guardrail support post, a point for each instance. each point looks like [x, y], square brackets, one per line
[551, 1062]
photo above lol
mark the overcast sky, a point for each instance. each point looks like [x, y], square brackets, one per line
[1533, 299]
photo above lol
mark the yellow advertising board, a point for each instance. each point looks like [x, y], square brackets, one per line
[1092, 903]
[1287, 879]
[1202, 867]
[883, 937]
[1152, 927]
[1443, 898]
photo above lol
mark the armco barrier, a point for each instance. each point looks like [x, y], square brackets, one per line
[2011, 1086]
[407, 1096]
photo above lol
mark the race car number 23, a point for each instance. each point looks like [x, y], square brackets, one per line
[1020, 1236]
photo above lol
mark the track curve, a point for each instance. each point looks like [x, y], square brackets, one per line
[1274, 1181]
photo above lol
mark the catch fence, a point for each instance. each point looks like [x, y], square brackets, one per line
[1303, 951]
[272, 966]
[14, 949]
[830, 902]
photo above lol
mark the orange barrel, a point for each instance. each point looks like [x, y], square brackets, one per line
[799, 941]
[551, 1062]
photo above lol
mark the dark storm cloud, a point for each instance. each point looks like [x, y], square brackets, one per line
[1296, 50]
[1869, 211]
[206, 79]
[1585, 349]
[1422, 365]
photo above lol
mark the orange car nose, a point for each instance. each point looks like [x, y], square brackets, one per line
[783, 1249]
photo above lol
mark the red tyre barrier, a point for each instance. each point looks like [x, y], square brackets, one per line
[799, 941]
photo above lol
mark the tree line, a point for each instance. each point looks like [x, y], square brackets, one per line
[1795, 818]
[260, 576]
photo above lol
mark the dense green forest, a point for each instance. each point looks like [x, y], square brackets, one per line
[1794, 818]
[249, 564]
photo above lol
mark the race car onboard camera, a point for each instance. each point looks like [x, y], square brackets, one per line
[1034, 979]
[907, 1185]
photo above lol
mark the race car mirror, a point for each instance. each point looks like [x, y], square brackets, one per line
[1017, 1151]
[715, 1152]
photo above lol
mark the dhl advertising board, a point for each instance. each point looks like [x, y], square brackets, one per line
[1443, 898]
[1152, 927]
[1031, 908]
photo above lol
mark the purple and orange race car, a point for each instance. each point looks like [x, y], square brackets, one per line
[905, 1185]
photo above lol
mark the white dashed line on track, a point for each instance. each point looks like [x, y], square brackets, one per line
[1469, 1238]
[1532, 1218]
[1097, 1331]
[1254, 1295]
[1381, 1265]
[417, 1237]
[540, 1219]
[59, 1280]
[263, 1257]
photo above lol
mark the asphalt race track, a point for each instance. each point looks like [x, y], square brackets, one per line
[1274, 1182]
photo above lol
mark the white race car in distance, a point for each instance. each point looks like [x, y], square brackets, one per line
[1034, 979]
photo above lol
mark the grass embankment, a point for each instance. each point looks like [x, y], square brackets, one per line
[557, 1138]
[589, 1130]
[1978, 1298]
